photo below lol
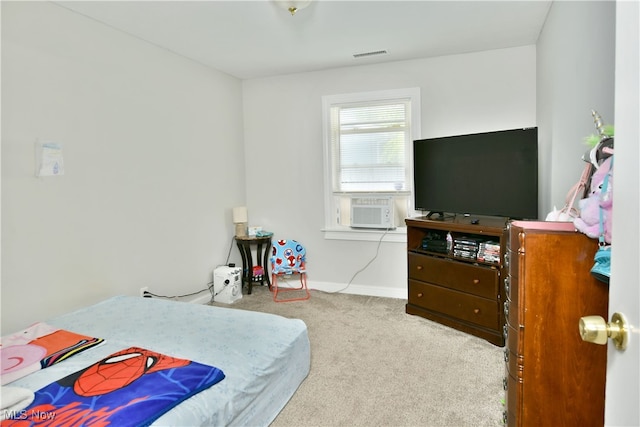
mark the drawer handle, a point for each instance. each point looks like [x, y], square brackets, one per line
[504, 417]
[504, 383]
[505, 331]
[506, 309]
[506, 259]
[507, 285]
[419, 267]
[420, 295]
[476, 310]
[506, 355]
[476, 281]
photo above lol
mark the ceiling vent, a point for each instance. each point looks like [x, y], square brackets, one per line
[365, 54]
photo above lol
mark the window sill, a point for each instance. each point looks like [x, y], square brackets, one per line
[399, 235]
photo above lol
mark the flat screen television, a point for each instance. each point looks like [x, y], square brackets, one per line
[491, 173]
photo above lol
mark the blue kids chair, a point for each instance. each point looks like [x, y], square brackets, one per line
[288, 258]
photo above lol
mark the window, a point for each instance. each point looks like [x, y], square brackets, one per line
[368, 146]
[368, 142]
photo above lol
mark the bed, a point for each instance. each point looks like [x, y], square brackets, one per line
[264, 357]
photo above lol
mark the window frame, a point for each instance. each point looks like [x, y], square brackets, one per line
[332, 229]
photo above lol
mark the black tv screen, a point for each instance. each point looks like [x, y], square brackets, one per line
[491, 173]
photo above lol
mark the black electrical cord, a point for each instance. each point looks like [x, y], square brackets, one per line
[230, 247]
[180, 296]
[209, 285]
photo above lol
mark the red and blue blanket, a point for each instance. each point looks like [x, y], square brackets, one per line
[132, 387]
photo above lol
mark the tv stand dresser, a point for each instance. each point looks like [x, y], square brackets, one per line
[460, 285]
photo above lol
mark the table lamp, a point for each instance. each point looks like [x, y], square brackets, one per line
[240, 220]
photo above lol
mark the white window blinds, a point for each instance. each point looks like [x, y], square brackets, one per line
[368, 146]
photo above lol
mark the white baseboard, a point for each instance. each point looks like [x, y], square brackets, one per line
[373, 291]
[202, 299]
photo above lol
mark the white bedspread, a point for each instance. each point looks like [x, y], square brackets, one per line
[264, 357]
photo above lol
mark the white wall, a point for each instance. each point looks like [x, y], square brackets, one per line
[153, 152]
[576, 59]
[283, 140]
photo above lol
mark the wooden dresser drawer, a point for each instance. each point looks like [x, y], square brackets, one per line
[514, 244]
[513, 399]
[514, 262]
[511, 314]
[513, 358]
[470, 308]
[512, 292]
[473, 279]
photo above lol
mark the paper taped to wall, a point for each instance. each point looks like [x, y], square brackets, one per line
[49, 160]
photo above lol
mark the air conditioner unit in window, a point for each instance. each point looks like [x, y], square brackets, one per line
[372, 212]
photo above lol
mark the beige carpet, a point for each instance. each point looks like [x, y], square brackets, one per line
[374, 365]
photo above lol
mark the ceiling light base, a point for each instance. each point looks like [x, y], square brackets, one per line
[292, 6]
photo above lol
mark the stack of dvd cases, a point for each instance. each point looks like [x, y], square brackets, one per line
[489, 251]
[466, 247]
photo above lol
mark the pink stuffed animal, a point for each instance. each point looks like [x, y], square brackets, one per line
[589, 220]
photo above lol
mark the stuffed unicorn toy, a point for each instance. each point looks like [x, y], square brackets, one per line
[589, 220]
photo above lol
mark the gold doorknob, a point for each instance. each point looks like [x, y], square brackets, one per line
[596, 330]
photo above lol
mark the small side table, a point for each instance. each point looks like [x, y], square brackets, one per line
[244, 246]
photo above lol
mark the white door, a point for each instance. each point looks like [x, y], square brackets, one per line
[623, 377]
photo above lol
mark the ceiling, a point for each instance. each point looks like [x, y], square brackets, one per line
[253, 39]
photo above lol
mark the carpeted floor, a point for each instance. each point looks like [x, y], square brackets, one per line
[374, 365]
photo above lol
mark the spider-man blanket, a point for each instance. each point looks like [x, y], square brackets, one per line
[132, 387]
